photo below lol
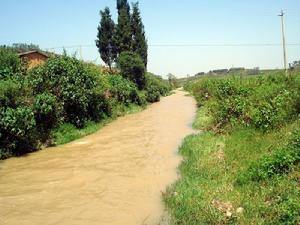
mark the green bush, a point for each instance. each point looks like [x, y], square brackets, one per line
[100, 106]
[153, 94]
[64, 90]
[156, 87]
[9, 62]
[263, 102]
[68, 80]
[124, 91]
[17, 131]
[11, 93]
[46, 112]
[132, 68]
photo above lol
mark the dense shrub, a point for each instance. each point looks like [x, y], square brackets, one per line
[64, 90]
[9, 62]
[68, 80]
[132, 68]
[124, 91]
[262, 102]
[46, 112]
[155, 87]
[152, 94]
[12, 93]
[17, 123]
[17, 131]
[100, 106]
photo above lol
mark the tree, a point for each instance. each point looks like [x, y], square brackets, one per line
[105, 38]
[132, 68]
[173, 80]
[123, 35]
[294, 65]
[123, 4]
[139, 42]
[23, 47]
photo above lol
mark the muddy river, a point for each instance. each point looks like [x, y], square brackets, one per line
[113, 177]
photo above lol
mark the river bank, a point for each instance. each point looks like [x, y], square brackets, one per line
[243, 168]
[114, 176]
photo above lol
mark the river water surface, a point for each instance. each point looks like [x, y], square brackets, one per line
[112, 177]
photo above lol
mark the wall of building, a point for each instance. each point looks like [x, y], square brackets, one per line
[34, 59]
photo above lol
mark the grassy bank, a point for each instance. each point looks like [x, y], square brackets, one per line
[237, 171]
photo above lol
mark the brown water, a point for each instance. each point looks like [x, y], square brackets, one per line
[113, 177]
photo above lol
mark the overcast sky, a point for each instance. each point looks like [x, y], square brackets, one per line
[184, 37]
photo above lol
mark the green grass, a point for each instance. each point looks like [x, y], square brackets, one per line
[207, 189]
[67, 132]
[203, 120]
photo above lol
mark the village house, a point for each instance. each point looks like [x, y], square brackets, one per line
[34, 58]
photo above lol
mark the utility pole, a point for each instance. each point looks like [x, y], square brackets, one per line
[80, 51]
[283, 42]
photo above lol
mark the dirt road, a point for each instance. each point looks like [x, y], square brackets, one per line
[113, 177]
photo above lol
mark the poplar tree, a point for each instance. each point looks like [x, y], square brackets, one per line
[123, 36]
[105, 38]
[123, 4]
[139, 43]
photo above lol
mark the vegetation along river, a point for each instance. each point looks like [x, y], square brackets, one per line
[113, 177]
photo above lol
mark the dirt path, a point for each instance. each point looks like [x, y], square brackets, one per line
[113, 177]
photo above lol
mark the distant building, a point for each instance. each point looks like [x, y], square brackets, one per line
[219, 71]
[34, 58]
[199, 74]
[236, 69]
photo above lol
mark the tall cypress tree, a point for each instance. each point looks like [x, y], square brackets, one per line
[123, 36]
[123, 4]
[139, 43]
[105, 41]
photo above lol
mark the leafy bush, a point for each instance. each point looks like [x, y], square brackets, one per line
[9, 62]
[11, 93]
[17, 123]
[153, 94]
[64, 90]
[46, 113]
[262, 102]
[156, 87]
[132, 68]
[17, 131]
[68, 80]
[100, 106]
[124, 91]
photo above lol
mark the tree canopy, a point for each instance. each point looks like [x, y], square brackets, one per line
[127, 35]
[139, 42]
[105, 38]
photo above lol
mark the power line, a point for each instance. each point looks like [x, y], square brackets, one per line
[191, 45]
[221, 45]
